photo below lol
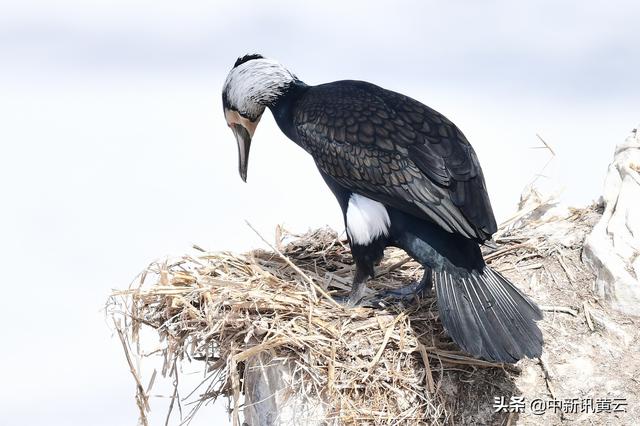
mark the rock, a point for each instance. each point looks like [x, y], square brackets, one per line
[268, 399]
[612, 249]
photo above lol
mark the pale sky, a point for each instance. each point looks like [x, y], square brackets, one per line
[116, 153]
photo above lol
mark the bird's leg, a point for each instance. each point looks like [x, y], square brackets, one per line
[358, 287]
[420, 289]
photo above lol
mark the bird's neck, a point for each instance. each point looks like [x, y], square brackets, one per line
[283, 108]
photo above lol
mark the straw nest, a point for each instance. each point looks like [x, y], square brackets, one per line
[389, 364]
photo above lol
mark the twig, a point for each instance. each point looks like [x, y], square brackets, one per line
[279, 237]
[547, 377]
[563, 309]
[546, 145]
[553, 277]
[331, 373]
[565, 268]
[587, 315]
[553, 154]
[174, 396]
[427, 369]
[505, 250]
[385, 340]
[235, 387]
[456, 358]
[142, 399]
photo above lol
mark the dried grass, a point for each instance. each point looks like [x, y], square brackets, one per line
[364, 365]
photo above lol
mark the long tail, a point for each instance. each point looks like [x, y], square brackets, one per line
[487, 316]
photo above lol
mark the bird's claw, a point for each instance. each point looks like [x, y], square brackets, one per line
[407, 293]
[349, 301]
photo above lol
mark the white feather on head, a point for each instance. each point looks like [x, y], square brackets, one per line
[254, 84]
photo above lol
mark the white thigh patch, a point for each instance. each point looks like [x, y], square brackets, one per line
[366, 219]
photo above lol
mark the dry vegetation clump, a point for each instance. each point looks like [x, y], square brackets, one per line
[268, 315]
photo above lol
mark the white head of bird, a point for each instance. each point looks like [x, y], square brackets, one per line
[253, 83]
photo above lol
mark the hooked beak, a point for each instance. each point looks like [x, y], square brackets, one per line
[243, 138]
[243, 129]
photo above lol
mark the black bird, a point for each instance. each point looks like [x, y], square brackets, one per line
[404, 176]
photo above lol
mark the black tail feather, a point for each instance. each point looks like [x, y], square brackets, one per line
[487, 316]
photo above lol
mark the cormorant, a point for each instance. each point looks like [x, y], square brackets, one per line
[404, 176]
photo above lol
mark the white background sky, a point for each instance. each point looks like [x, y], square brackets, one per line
[115, 151]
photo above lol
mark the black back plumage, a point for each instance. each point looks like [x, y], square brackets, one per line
[398, 151]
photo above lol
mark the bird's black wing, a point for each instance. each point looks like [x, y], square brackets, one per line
[395, 150]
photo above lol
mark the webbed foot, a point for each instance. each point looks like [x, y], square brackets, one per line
[422, 289]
